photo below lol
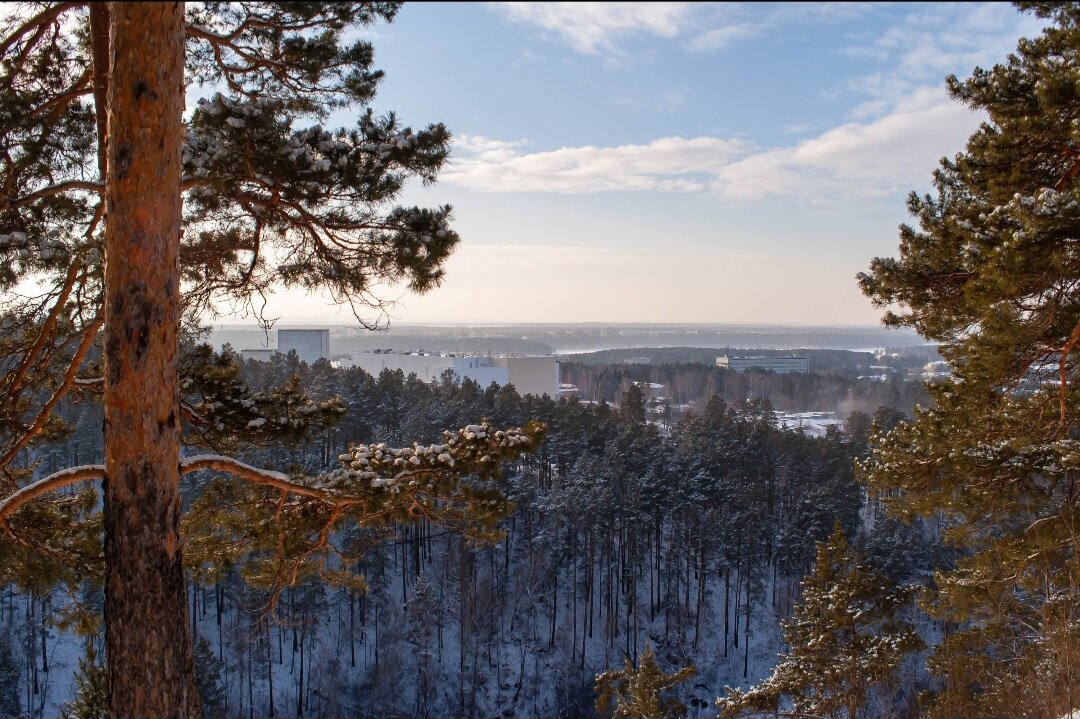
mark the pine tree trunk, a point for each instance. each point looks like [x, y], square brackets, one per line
[150, 665]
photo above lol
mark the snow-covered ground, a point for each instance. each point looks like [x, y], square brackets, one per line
[812, 423]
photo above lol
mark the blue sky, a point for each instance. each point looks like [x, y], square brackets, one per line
[624, 162]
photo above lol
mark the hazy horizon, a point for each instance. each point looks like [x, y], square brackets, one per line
[576, 338]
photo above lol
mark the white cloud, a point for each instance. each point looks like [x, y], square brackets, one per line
[719, 37]
[595, 28]
[730, 22]
[900, 123]
[598, 28]
[928, 45]
[668, 163]
[854, 160]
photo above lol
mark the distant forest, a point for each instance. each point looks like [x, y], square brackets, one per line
[691, 376]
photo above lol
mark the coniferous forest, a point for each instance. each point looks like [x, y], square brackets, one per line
[184, 533]
[693, 543]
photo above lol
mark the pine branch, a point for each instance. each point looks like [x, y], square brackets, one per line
[89, 334]
[42, 18]
[1062, 367]
[55, 481]
[69, 186]
[61, 101]
[13, 380]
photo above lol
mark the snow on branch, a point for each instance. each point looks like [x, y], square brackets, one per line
[476, 448]
[58, 480]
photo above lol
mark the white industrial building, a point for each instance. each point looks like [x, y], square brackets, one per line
[309, 345]
[537, 375]
[259, 355]
[766, 364]
[427, 366]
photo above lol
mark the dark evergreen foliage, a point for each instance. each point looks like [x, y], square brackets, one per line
[10, 705]
[208, 680]
[89, 700]
[990, 271]
[636, 692]
[846, 639]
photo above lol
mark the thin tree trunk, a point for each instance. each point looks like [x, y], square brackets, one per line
[746, 626]
[727, 595]
[574, 594]
[150, 666]
[300, 686]
[738, 588]
[554, 606]
[250, 682]
[700, 595]
[270, 669]
[352, 628]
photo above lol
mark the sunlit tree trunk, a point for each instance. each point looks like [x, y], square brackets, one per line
[150, 666]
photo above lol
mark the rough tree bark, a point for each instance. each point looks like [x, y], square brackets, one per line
[150, 666]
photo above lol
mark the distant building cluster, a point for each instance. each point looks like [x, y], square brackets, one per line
[781, 365]
[530, 374]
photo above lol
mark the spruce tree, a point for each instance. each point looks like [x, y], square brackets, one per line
[845, 639]
[991, 273]
[137, 223]
[89, 700]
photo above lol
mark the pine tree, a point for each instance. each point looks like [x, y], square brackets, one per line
[991, 273]
[137, 223]
[9, 680]
[845, 639]
[208, 680]
[636, 691]
[89, 701]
